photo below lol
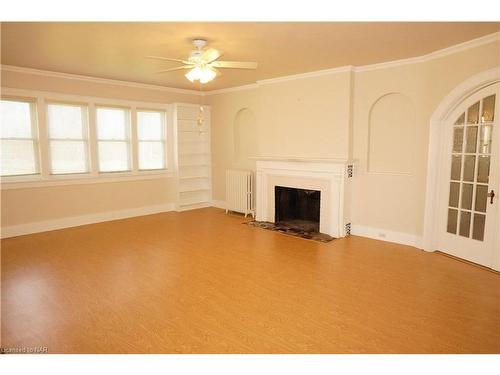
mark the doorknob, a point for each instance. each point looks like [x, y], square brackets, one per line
[491, 195]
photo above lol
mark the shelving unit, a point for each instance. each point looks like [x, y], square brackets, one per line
[193, 161]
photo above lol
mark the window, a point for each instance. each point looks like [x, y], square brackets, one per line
[68, 138]
[151, 140]
[113, 139]
[18, 135]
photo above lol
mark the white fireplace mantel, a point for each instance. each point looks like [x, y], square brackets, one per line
[329, 176]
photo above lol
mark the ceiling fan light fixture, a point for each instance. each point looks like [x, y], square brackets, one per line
[193, 74]
[202, 73]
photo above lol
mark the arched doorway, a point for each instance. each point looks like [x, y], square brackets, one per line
[462, 210]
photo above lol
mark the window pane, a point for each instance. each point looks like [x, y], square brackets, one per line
[485, 139]
[456, 166]
[151, 155]
[454, 191]
[488, 114]
[17, 157]
[469, 166]
[15, 119]
[467, 196]
[112, 124]
[481, 198]
[458, 138]
[113, 156]
[464, 223]
[483, 169]
[452, 221]
[478, 227]
[470, 145]
[473, 114]
[460, 120]
[68, 157]
[150, 126]
[65, 121]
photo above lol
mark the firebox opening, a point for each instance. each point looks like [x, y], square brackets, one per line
[297, 208]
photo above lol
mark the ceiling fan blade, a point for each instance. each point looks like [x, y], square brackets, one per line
[235, 64]
[176, 68]
[210, 55]
[167, 59]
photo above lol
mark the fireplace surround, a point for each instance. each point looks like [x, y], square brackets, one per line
[329, 177]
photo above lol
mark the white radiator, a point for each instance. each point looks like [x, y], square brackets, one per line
[239, 191]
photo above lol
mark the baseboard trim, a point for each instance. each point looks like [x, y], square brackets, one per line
[387, 235]
[219, 204]
[74, 221]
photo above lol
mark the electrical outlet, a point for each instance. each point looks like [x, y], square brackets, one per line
[381, 235]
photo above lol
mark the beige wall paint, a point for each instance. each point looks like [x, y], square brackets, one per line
[396, 201]
[313, 117]
[308, 117]
[23, 206]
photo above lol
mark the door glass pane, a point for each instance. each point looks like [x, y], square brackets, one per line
[464, 223]
[452, 221]
[467, 196]
[460, 120]
[485, 139]
[458, 139]
[478, 228]
[488, 114]
[470, 145]
[483, 169]
[481, 198]
[469, 166]
[473, 114]
[456, 165]
[454, 191]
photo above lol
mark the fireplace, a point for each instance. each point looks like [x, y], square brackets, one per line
[329, 180]
[297, 208]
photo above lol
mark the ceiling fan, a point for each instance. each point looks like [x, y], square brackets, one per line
[203, 62]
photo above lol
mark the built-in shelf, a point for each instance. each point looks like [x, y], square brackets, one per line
[193, 151]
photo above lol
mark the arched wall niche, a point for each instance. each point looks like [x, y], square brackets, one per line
[245, 138]
[391, 129]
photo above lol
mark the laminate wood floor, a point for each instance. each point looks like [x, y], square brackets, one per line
[202, 282]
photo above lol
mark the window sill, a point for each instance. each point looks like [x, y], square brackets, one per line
[61, 180]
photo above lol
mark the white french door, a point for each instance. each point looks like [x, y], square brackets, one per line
[469, 183]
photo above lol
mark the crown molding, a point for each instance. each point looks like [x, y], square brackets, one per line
[490, 38]
[316, 73]
[231, 89]
[49, 73]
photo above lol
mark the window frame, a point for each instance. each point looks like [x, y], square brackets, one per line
[163, 140]
[128, 139]
[35, 136]
[41, 99]
[85, 117]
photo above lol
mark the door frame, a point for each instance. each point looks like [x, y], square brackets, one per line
[438, 121]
